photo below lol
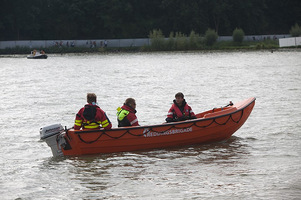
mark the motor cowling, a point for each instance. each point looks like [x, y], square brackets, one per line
[51, 135]
[51, 130]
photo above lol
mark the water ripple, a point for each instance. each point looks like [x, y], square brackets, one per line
[261, 161]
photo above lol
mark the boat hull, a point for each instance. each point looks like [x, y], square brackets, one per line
[41, 56]
[211, 126]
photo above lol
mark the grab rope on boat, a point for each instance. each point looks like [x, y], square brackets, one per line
[152, 129]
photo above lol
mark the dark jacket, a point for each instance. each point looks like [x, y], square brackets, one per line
[91, 117]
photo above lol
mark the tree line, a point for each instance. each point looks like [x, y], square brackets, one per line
[118, 19]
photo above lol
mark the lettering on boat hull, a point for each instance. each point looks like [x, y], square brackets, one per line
[148, 133]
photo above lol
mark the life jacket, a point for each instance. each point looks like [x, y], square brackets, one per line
[121, 117]
[126, 116]
[182, 112]
[89, 112]
[89, 117]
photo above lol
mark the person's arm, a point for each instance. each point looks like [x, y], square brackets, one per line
[133, 119]
[105, 122]
[169, 120]
[191, 114]
[170, 116]
[78, 121]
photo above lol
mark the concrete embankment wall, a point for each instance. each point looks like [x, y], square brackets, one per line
[290, 42]
[40, 44]
[78, 43]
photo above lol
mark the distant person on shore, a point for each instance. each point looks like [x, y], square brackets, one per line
[91, 116]
[179, 110]
[126, 114]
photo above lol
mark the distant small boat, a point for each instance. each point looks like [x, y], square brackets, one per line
[37, 55]
[213, 125]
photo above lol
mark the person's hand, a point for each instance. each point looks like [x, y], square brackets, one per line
[168, 120]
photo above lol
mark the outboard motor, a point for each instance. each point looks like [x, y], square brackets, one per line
[51, 135]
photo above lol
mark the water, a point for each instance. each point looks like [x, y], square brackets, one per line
[261, 161]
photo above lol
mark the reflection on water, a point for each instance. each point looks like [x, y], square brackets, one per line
[104, 172]
[208, 153]
[261, 161]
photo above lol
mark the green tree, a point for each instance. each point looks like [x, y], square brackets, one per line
[193, 40]
[93, 19]
[157, 40]
[295, 31]
[19, 19]
[210, 37]
[249, 15]
[238, 35]
[281, 15]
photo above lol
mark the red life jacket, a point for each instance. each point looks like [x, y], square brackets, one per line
[179, 114]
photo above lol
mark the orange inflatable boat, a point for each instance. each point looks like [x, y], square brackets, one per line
[211, 126]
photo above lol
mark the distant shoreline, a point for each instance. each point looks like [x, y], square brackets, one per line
[270, 45]
[272, 50]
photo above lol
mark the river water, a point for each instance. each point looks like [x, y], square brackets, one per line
[262, 160]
